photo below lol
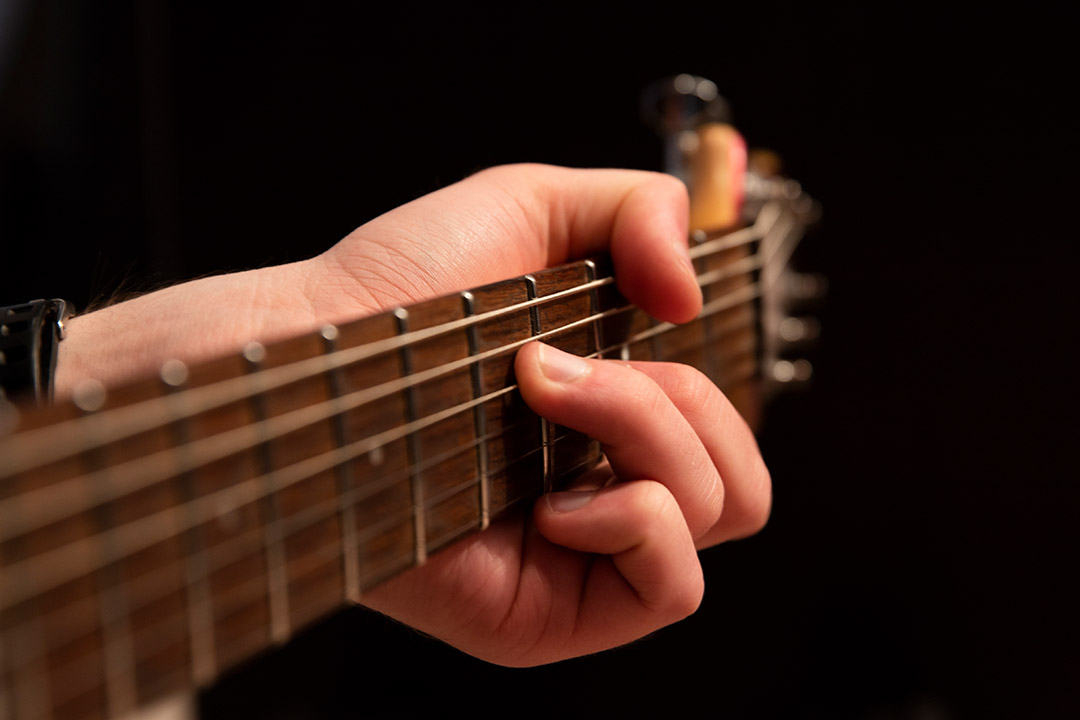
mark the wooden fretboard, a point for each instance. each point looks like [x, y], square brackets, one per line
[153, 536]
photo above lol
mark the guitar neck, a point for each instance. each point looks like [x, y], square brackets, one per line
[155, 535]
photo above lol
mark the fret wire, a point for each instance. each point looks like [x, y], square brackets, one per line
[594, 305]
[277, 590]
[412, 444]
[34, 699]
[143, 469]
[545, 426]
[6, 708]
[199, 598]
[321, 512]
[325, 554]
[234, 599]
[318, 516]
[42, 442]
[708, 324]
[653, 331]
[138, 417]
[244, 594]
[479, 414]
[116, 646]
[243, 489]
[344, 476]
[250, 590]
[251, 544]
[301, 520]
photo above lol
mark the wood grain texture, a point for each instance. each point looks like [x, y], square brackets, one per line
[265, 537]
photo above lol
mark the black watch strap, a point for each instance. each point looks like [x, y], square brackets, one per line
[29, 334]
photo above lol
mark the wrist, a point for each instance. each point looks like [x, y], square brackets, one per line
[192, 322]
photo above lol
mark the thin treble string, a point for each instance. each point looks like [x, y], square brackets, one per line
[251, 542]
[311, 560]
[64, 498]
[39, 574]
[337, 551]
[254, 589]
[35, 448]
[152, 586]
[79, 680]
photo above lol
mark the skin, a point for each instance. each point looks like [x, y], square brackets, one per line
[601, 564]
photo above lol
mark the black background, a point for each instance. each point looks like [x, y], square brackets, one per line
[921, 553]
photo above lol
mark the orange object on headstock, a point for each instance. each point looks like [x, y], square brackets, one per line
[717, 169]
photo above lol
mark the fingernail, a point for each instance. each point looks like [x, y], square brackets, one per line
[564, 502]
[560, 366]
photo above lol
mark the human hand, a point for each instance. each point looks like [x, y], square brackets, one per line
[685, 472]
[614, 557]
[499, 223]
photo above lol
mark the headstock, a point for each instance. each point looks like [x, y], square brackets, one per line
[729, 187]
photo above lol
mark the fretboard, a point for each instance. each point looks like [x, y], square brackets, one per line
[155, 535]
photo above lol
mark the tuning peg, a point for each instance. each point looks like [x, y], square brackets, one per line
[804, 287]
[791, 372]
[794, 330]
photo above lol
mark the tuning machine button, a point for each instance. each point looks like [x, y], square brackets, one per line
[791, 372]
[796, 330]
[804, 287]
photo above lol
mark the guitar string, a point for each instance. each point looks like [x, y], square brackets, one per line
[297, 523]
[636, 339]
[251, 592]
[335, 545]
[337, 550]
[25, 512]
[315, 560]
[237, 548]
[152, 527]
[39, 447]
[80, 681]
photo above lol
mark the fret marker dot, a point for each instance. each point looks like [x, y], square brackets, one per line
[174, 373]
[254, 352]
[89, 395]
[376, 456]
[329, 332]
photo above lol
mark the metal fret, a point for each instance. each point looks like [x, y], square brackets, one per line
[413, 445]
[30, 696]
[118, 666]
[698, 237]
[594, 307]
[276, 569]
[479, 415]
[196, 570]
[545, 426]
[345, 476]
[6, 710]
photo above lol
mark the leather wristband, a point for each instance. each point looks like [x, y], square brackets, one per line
[29, 335]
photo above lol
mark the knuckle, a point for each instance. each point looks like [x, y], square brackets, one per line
[686, 385]
[641, 393]
[653, 502]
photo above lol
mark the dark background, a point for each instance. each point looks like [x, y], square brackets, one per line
[922, 549]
